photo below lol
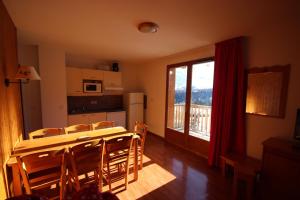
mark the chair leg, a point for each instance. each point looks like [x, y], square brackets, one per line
[63, 179]
[126, 173]
[70, 183]
[77, 184]
[109, 178]
[76, 181]
[119, 168]
[141, 159]
[96, 176]
[100, 180]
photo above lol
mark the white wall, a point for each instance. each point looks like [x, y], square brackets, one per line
[53, 86]
[31, 94]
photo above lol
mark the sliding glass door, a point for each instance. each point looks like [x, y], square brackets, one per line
[201, 98]
[177, 98]
[188, 104]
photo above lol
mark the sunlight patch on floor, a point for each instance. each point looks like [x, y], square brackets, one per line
[151, 177]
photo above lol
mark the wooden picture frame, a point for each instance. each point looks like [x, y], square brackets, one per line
[267, 90]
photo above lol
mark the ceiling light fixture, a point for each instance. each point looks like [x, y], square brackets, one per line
[148, 27]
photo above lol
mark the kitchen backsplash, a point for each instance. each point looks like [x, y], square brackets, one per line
[82, 104]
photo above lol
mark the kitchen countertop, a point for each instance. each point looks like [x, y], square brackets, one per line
[78, 112]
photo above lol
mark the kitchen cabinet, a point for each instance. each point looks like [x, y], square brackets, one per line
[118, 117]
[74, 81]
[112, 80]
[86, 118]
[75, 78]
[97, 117]
[92, 74]
[78, 119]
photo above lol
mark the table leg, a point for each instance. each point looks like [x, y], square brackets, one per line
[135, 165]
[17, 187]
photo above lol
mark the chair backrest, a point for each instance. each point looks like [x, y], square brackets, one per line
[46, 132]
[103, 124]
[41, 168]
[77, 128]
[122, 145]
[86, 156]
[141, 129]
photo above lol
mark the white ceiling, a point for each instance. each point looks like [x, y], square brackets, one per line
[107, 29]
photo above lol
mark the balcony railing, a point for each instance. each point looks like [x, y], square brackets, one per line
[200, 117]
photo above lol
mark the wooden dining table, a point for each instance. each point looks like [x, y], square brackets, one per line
[26, 147]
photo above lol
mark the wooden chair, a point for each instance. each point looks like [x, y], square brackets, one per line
[40, 171]
[141, 129]
[46, 132]
[85, 158]
[77, 128]
[103, 124]
[116, 158]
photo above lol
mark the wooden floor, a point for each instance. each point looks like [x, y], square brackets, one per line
[172, 173]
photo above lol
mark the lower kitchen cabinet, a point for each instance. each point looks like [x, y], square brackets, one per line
[118, 117]
[97, 117]
[78, 119]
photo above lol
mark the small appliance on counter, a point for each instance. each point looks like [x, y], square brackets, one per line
[134, 105]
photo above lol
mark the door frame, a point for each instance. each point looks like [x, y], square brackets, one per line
[184, 140]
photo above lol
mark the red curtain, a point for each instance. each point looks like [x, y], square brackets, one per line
[228, 103]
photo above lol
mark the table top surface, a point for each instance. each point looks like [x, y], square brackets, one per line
[63, 141]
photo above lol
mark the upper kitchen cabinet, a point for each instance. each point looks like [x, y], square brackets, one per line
[92, 74]
[112, 80]
[74, 81]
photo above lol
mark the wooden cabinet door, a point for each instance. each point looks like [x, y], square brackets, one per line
[92, 74]
[118, 117]
[112, 79]
[78, 119]
[74, 82]
[97, 117]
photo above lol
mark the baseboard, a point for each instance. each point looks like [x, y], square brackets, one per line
[156, 135]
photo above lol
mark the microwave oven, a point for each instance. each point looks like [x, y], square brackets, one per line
[92, 86]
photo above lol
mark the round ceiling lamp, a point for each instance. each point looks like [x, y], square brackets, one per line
[148, 27]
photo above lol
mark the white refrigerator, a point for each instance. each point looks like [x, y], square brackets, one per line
[134, 105]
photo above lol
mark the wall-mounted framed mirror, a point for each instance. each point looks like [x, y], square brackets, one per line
[267, 89]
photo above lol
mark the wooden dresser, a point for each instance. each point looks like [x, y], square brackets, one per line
[280, 170]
